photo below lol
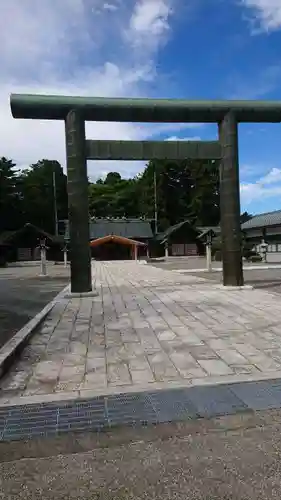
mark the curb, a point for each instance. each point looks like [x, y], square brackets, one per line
[234, 288]
[142, 408]
[219, 269]
[16, 344]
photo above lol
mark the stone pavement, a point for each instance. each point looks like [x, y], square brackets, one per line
[148, 329]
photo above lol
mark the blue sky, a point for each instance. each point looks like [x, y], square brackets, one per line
[193, 49]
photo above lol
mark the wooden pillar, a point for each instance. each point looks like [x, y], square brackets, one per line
[78, 210]
[230, 202]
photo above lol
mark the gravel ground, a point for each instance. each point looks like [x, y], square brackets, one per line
[23, 294]
[234, 457]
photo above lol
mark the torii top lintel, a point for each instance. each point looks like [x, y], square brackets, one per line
[56, 107]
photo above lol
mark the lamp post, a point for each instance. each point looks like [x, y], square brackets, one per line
[43, 264]
[209, 251]
[55, 204]
[65, 250]
[263, 250]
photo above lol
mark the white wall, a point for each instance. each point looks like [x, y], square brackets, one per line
[273, 257]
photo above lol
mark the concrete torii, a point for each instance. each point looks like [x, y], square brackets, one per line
[74, 111]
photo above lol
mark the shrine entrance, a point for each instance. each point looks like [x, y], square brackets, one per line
[74, 111]
[116, 248]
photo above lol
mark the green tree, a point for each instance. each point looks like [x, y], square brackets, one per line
[114, 197]
[185, 189]
[38, 203]
[10, 196]
[112, 178]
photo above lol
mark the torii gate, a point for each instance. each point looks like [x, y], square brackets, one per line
[76, 110]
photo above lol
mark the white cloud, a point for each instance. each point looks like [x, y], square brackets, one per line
[272, 177]
[149, 22]
[110, 6]
[267, 186]
[175, 138]
[266, 12]
[76, 47]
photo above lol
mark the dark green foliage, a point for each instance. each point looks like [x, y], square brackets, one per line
[38, 194]
[186, 189]
[10, 195]
[255, 258]
[28, 195]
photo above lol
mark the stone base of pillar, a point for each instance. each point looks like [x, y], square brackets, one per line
[233, 288]
[74, 295]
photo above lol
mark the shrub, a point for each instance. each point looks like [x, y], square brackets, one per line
[255, 258]
[3, 261]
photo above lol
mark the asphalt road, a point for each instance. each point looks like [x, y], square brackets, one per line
[23, 294]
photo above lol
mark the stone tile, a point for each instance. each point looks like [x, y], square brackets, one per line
[247, 369]
[71, 359]
[218, 344]
[151, 347]
[72, 373]
[139, 363]
[264, 363]
[202, 352]
[246, 349]
[164, 371]
[166, 335]
[15, 381]
[192, 372]
[153, 327]
[182, 360]
[116, 354]
[215, 367]
[95, 351]
[67, 386]
[188, 336]
[134, 350]
[118, 374]
[78, 348]
[33, 389]
[274, 354]
[141, 376]
[94, 380]
[232, 357]
[96, 365]
[47, 371]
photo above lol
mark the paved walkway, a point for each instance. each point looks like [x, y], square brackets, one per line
[148, 329]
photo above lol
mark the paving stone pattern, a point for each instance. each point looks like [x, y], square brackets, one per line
[148, 329]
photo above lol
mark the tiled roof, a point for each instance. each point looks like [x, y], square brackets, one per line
[7, 237]
[172, 229]
[128, 228]
[201, 230]
[263, 220]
